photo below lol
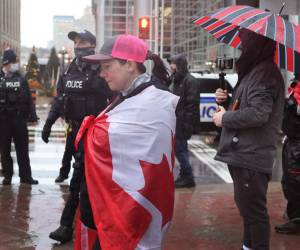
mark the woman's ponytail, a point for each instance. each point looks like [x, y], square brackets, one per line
[159, 70]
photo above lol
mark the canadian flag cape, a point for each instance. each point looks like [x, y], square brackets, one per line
[129, 170]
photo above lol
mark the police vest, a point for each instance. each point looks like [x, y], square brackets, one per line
[79, 97]
[10, 98]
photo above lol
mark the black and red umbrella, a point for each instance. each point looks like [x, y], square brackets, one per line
[225, 23]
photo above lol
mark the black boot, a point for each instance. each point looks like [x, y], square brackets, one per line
[29, 181]
[185, 182]
[6, 181]
[290, 227]
[61, 178]
[62, 234]
[179, 178]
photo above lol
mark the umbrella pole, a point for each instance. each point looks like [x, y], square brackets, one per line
[222, 80]
[282, 7]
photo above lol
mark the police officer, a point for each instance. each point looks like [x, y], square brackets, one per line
[291, 160]
[15, 110]
[80, 92]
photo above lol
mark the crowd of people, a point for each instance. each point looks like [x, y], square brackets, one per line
[125, 126]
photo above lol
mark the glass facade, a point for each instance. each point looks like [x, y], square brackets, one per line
[10, 11]
[189, 39]
[62, 25]
[118, 18]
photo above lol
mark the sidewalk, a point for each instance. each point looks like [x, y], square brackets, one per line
[205, 218]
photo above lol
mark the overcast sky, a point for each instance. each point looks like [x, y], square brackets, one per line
[37, 18]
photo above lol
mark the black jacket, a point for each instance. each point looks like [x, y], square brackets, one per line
[97, 92]
[185, 86]
[291, 119]
[16, 101]
[250, 134]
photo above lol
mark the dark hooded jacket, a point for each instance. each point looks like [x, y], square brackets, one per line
[250, 131]
[185, 86]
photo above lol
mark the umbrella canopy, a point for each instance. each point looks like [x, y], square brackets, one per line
[225, 23]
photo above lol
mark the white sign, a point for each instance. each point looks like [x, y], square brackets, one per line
[207, 107]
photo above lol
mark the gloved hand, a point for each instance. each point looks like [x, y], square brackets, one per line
[46, 131]
[32, 119]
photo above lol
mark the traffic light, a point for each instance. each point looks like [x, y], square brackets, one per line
[144, 27]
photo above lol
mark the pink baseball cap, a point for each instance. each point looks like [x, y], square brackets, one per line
[125, 47]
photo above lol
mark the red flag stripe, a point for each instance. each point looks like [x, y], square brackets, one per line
[85, 237]
[276, 59]
[290, 59]
[228, 11]
[297, 37]
[224, 31]
[238, 20]
[262, 30]
[280, 30]
[202, 20]
[214, 25]
[259, 25]
[236, 41]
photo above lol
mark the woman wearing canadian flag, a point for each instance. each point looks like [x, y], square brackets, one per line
[127, 195]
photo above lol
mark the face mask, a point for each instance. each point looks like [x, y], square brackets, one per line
[81, 52]
[14, 67]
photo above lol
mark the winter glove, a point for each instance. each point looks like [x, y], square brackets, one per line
[46, 131]
[32, 119]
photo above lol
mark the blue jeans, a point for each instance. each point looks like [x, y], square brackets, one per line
[182, 155]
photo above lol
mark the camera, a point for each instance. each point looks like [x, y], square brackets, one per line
[223, 63]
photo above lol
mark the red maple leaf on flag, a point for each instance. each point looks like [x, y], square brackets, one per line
[159, 187]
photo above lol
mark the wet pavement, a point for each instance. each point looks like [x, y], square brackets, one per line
[28, 214]
[204, 217]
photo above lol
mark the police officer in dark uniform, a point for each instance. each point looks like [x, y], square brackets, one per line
[15, 110]
[291, 160]
[80, 92]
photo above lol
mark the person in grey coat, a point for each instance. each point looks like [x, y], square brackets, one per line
[250, 133]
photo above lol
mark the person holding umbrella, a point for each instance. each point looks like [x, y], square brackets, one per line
[250, 130]
[252, 121]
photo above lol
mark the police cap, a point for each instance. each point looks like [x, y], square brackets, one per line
[84, 35]
[9, 56]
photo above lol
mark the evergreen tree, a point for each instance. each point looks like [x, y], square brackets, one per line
[53, 64]
[51, 73]
[33, 73]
